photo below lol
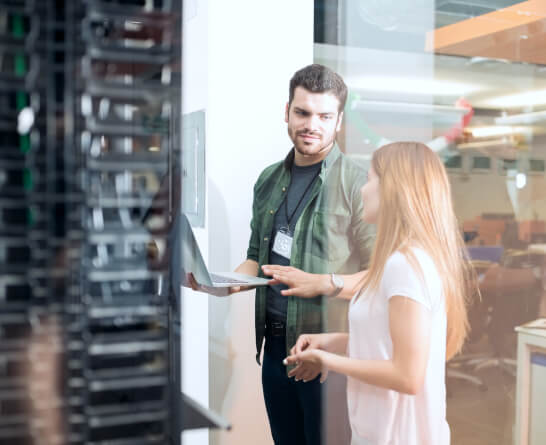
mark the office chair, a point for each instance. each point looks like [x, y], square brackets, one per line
[514, 300]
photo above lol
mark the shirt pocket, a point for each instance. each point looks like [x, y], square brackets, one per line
[331, 234]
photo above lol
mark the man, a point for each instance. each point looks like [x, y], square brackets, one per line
[306, 214]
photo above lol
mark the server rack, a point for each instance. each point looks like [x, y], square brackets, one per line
[90, 95]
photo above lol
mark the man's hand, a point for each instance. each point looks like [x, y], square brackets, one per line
[235, 289]
[192, 283]
[300, 283]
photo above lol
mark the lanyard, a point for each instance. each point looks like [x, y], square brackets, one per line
[289, 217]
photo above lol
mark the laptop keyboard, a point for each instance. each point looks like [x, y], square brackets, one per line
[219, 279]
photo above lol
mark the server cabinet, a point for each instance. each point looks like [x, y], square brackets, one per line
[89, 130]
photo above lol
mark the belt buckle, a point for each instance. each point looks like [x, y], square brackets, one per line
[277, 328]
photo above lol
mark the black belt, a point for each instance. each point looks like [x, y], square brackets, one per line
[275, 328]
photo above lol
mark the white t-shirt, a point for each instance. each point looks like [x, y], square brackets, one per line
[381, 416]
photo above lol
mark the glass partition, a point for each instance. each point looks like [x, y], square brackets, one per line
[468, 79]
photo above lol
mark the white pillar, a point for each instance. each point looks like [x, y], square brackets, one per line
[239, 56]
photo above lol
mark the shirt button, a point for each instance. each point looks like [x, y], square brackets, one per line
[266, 238]
[284, 189]
[272, 211]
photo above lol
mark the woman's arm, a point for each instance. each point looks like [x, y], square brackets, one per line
[309, 285]
[405, 372]
[335, 343]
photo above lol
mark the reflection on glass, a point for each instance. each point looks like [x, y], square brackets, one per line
[406, 67]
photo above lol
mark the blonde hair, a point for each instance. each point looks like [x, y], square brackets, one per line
[416, 210]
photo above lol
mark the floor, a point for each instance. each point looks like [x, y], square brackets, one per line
[482, 417]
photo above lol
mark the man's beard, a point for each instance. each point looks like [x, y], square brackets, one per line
[311, 151]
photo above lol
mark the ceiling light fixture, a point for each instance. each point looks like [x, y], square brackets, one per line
[408, 107]
[519, 100]
[502, 142]
[498, 130]
[412, 85]
[523, 118]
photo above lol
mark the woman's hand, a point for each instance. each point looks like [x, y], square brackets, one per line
[300, 283]
[309, 364]
[307, 342]
[306, 355]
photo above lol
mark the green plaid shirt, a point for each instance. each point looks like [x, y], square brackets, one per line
[329, 236]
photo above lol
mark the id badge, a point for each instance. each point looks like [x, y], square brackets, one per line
[283, 244]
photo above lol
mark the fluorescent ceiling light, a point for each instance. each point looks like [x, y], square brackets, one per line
[412, 85]
[503, 142]
[407, 107]
[523, 118]
[499, 130]
[527, 99]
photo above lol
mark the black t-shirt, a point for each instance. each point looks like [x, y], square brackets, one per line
[297, 197]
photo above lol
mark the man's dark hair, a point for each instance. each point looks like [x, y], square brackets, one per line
[317, 78]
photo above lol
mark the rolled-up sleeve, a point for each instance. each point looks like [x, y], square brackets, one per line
[252, 252]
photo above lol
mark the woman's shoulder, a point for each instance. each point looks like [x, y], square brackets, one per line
[424, 258]
[409, 272]
[400, 259]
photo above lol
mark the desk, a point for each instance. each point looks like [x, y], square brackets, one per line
[485, 253]
[530, 384]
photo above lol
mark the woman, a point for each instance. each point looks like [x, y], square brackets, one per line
[410, 315]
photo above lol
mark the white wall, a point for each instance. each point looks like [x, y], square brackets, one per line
[237, 62]
[254, 48]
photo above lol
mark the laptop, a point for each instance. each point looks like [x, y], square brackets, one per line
[192, 261]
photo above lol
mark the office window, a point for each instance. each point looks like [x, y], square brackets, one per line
[507, 164]
[481, 163]
[454, 162]
[537, 165]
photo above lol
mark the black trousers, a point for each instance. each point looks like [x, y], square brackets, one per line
[294, 408]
